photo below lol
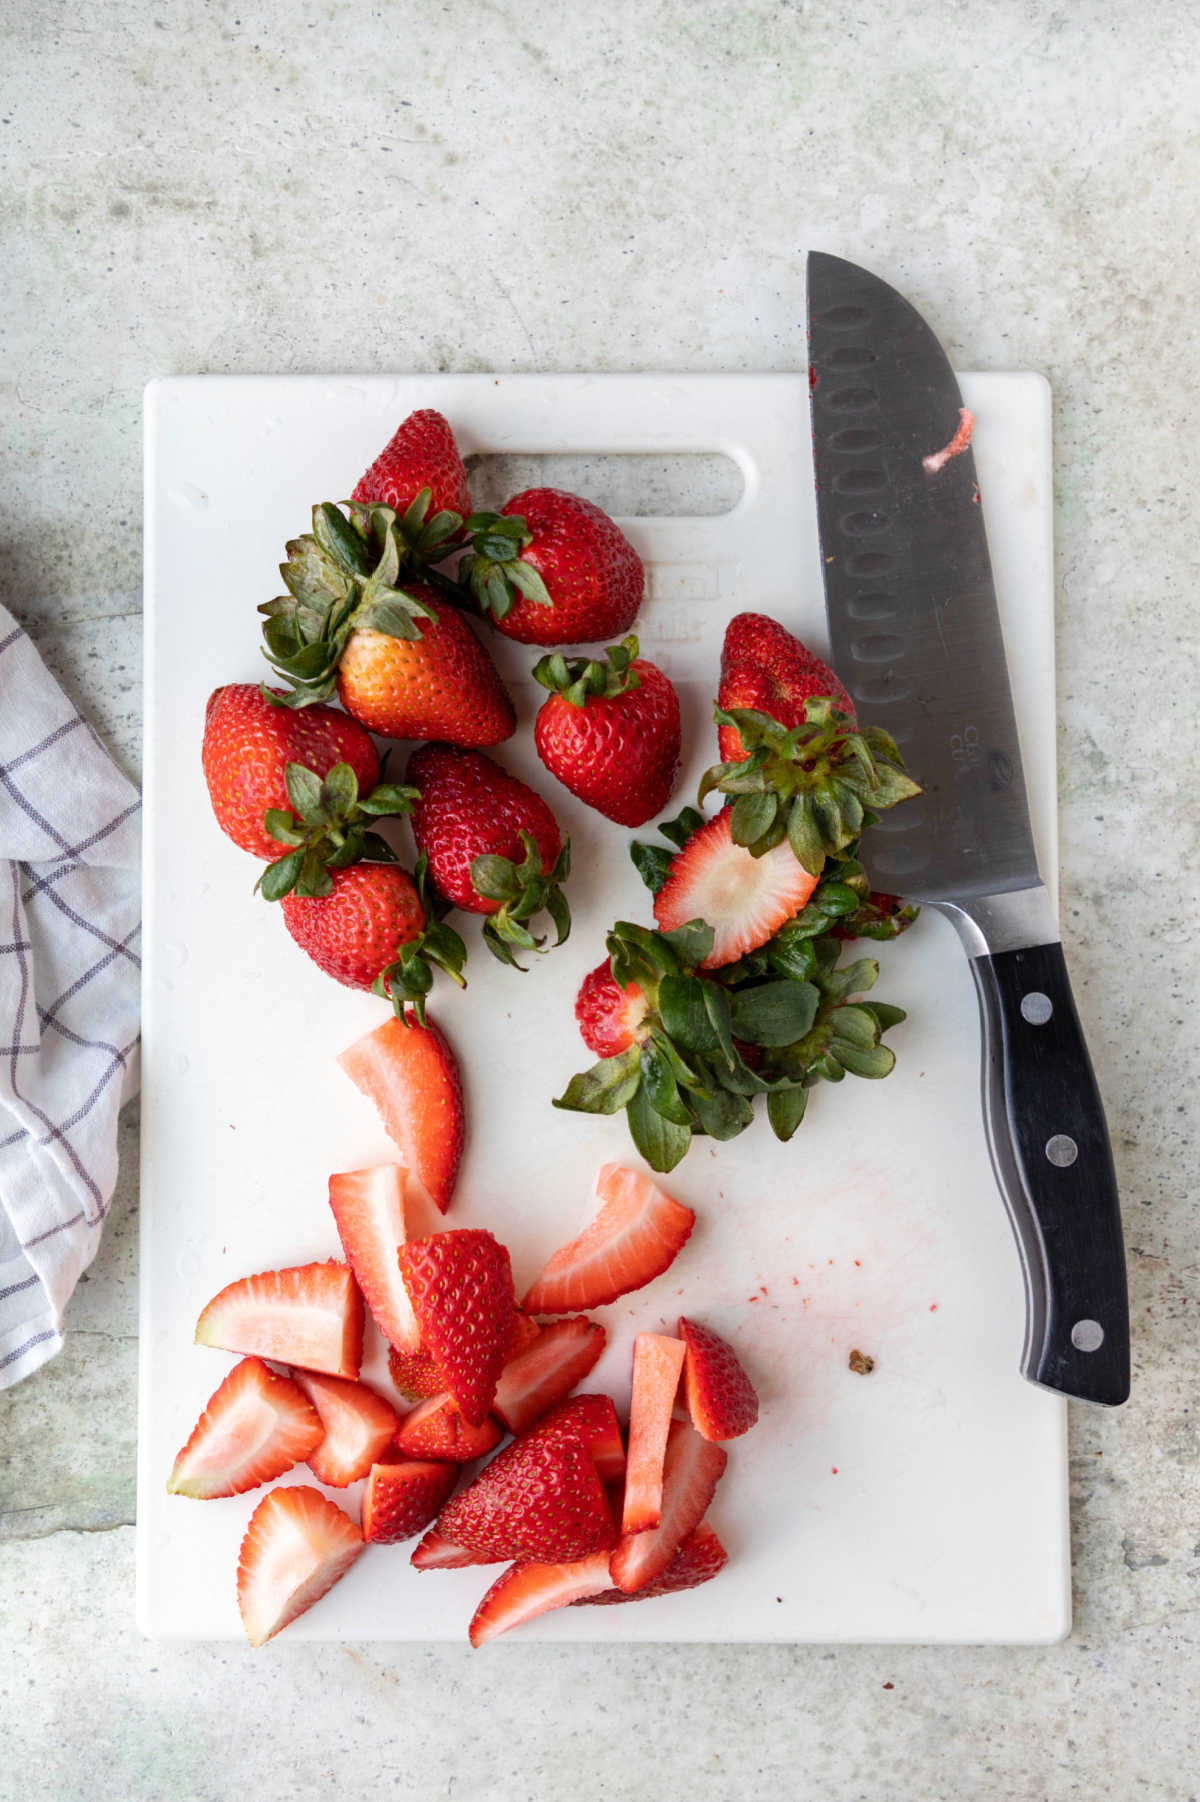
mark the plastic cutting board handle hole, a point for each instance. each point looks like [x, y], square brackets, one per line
[631, 485]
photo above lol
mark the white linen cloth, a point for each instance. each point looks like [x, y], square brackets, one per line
[70, 920]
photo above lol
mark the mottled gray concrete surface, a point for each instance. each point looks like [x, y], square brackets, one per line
[482, 184]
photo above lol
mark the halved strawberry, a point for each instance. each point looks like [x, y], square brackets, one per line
[540, 1496]
[461, 1288]
[254, 1426]
[744, 899]
[691, 1472]
[437, 1429]
[592, 1418]
[410, 1073]
[547, 1369]
[530, 1588]
[358, 1426]
[436, 1552]
[657, 1362]
[296, 1547]
[414, 1373]
[637, 1233]
[368, 1208]
[720, 1396]
[698, 1560]
[400, 1499]
[310, 1315]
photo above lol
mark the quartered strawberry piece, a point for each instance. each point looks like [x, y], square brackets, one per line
[540, 1496]
[532, 1588]
[368, 1207]
[436, 1552]
[358, 1426]
[410, 1073]
[255, 1426]
[657, 1362]
[698, 1560]
[461, 1288]
[296, 1547]
[400, 1499]
[638, 1232]
[691, 1472]
[744, 899]
[593, 1419]
[310, 1315]
[720, 1396]
[414, 1373]
[546, 1369]
[437, 1429]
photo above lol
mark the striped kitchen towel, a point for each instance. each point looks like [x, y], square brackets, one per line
[70, 918]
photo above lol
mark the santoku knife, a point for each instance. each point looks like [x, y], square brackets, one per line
[916, 637]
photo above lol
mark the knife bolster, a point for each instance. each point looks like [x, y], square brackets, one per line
[1007, 922]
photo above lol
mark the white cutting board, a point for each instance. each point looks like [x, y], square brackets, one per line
[925, 1502]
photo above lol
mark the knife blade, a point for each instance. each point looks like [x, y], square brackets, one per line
[916, 636]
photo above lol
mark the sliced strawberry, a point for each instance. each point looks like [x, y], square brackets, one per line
[531, 1588]
[547, 1369]
[310, 1315]
[540, 1495]
[657, 1362]
[437, 1430]
[410, 1073]
[461, 1288]
[358, 1426]
[698, 1560]
[637, 1233]
[254, 1426]
[524, 1332]
[691, 1472]
[436, 1552]
[400, 1499]
[744, 899]
[414, 1373]
[720, 1396]
[593, 1419]
[296, 1547]
[368, 1207]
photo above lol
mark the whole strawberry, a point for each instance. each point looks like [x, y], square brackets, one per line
[551, 568]
[610, 731]
[765, 668]
[492, 843]
[441, 684]
[420, 458]
[608, 1014]
[248, 744]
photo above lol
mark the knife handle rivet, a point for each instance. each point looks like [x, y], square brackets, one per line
[1087, 1335]
[1036, 1008]
[1061, 1150]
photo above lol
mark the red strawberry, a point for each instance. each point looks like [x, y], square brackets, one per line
[437, 1429]
[593, 1419]
[310, 1315]
[764, 667]
[635, 1236]
[368, 1210]
[540, 1496]
[415, 1373]
[551, 568]
[421, 453]
[700, 1558]
[744, 899]
[400, 1499]
[691, 1471]
[610, 1017]
[720, 1396]
[546, 1370]
[657, 1362]
[441, 684]
[248, 744]
[409, 1072]
[531, 1588]
[356, 933]
[436, 1552]
[296, 1547]
[358, 1425]
[524, 1332]
[254, 1426]
[461, 1288]
[610, 732]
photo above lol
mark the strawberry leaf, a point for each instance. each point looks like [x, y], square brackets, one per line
[785, 1111]
[662, 1142]
[607, 1087]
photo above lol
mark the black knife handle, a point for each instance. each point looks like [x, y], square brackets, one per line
[1050, 1148]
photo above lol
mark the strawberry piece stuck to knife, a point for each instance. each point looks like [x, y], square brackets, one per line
[546, 1369]
[368, 1209]
[720, 1396]
[745, 899]
[296, 1547]
[310, 1315]
[255, 1426]
[691, 1471]
[436, 1429]
[657, 1362]
[411, 1075]
[540, 1496]
[461, 1288]
[699, 1559]
[530, 1588]
[639, 1230]
[401, 1499]
[358, 1425]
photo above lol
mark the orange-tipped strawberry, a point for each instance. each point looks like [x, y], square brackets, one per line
[764, 667]
[610, 1015]
[421, 456]
[638, 1232]
[531, 1587]
[610, 731]
[359, 1426]
[691, 1471]
[440, 683]
[720, 1396]
[310, 1315]
[402, 1498]
[546, 1370]
[551, 568]
[699, 1559]
[411, 1075]
[461, 1288]
[254, 1426]
[436, 1429]
[297, 1546]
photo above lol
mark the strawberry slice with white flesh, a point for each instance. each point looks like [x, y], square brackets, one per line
[528, 1589]
[359, 1426]
[657, 1362]
[368, 1208]
[744, 899]
[699, 1559]
[546, 1369]
[436, 1552]
[309, 1315]
[437, 1429]
[401, 1499]
[638, 1232]
[296, 1547]
[255, 1426]
[411, 1075]
[691, 1471]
